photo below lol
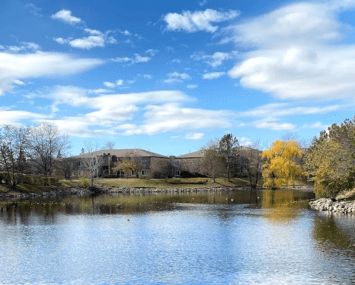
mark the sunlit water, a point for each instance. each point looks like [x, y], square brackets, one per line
[265, 237]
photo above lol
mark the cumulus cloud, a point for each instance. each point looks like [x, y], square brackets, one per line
[162, 111]
[191, 86]
[66, 16]
[40, 64]
[293, 53]
[170, 117]
[109, 84]
[24, 47]
[194, 136]
[176, 77]
[198, 21]
[213, 75]
[215, 59]
[95, 39]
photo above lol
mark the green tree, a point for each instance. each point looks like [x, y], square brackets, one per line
[281, 166]
[228, 148]
[330, 160]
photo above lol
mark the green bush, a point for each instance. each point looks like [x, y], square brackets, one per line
[186, 180]
[26, 179]
[36, 179]
[44, 181]
[84, 182]
[52, 180]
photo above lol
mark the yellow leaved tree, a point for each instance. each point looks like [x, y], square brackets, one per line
[281, 165]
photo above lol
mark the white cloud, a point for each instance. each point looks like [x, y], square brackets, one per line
[202, 3]
[213, 75]
[171, 117]
[194, 136]
[61, 41]
[277, 110]
[198, 20]
[132, 60]
[152, 52]
[275, 126]
[161, 112]
[191, 86]
[147, 76]
[13, 117]
[215, 59]
[66, 16]
[40, 64]
[95, 39]
[119, 82]
[245, 141]
[317, 125]
[109, 84]
[88, 42]
[176, 77]
[24, 47]
[294, 54]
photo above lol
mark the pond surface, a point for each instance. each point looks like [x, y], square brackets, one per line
[237, 237]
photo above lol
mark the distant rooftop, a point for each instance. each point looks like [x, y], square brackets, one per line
[199, 153]
[123, 153]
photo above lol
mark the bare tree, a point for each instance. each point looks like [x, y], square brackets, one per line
[45, 143]
[212, 163]
[254, 162]
[13, 153]
[109, 145]
[90, 162]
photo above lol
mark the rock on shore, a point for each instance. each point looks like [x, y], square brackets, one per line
[340, 207]
[53, 193]
[132, 190]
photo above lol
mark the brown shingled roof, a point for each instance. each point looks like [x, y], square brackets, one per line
[199, 153]
[123, 153]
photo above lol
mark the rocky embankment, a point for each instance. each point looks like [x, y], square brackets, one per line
[340, 207]
[98, 189]
[54, 193]
[131, 190]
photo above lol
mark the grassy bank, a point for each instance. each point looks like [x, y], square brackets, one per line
[172, 183]
[26, 188]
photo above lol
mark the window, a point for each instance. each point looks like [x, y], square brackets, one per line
[144, 173]
[133, 173]
[177, 172]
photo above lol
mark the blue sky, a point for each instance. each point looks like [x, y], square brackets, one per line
[168, 76]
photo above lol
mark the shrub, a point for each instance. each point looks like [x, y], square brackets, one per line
[44, 181]
[52, 180]
[26, 179]
[36, 179]
[186, 181]
[84, 182]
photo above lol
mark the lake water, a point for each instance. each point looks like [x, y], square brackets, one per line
[237, 237]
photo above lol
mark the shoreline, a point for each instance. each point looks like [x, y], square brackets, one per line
[337, 207]
[101, 189]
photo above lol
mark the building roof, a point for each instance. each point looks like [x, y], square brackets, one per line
[199, 153]
[123, 153]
